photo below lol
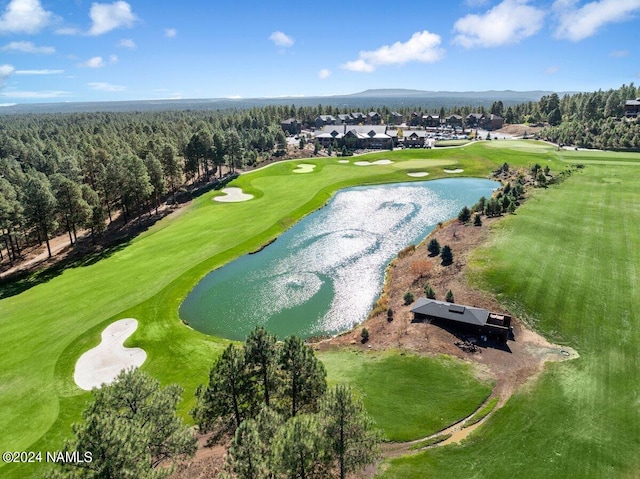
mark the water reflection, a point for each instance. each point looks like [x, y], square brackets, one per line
[323, 275]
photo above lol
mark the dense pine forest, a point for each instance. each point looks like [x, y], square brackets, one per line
[84, 171]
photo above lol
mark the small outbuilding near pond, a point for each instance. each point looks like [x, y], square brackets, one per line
[468, 318]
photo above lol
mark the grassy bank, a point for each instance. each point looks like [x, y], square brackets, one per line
[569, 261]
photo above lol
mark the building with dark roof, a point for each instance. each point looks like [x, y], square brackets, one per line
[632, 108]
[464, 318]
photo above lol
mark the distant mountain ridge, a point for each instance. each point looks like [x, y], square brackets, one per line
[375, 98]
[533, 95]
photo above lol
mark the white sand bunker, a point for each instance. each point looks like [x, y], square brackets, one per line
[457, 170]
[233, 195]
[418, 174]
[304, 168]
[343, 161]
[368, 163]
[103, 363]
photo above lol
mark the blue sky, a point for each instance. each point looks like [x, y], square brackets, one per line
[77, 50]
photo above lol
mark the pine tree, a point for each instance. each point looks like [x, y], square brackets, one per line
[131, 429]
[353, 442]
[449, 297]
[446, 255]
[433, 247]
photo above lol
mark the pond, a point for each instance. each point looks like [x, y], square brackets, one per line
[323, 275]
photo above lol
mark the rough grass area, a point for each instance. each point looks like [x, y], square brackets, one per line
[409, 396]
[482, 412]
[432, 441]
[569, 261]
[44, 329]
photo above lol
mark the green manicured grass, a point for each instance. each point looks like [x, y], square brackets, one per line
[43, 330]
[409, 396]
[569, 262]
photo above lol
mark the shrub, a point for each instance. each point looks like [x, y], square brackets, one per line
[477, 221]
[421, 268]
[433, 247]
[446, 255]
[408, 297]
[429, 292]
[407, 251]
[465, 215]
[449, 297]
[389, 315]
[364, 334]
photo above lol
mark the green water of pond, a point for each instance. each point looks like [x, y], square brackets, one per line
[323, 275]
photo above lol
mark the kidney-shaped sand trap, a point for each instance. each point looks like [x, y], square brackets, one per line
[457, 170]
[103, 363]
[233, 195]
[418, 174]
[343, 161]
[368, 163]
[304, 168]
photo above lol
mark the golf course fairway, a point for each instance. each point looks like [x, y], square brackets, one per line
[567, 262]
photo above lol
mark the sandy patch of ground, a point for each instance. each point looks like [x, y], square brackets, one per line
[103, 363]
[232, 195]
[304, 168]
[418, 174]
[457, 170]
[343, 161]
[369, 163]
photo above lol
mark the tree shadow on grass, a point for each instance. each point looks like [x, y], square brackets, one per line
[25, 280]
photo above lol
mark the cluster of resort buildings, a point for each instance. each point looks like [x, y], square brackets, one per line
[357, 130]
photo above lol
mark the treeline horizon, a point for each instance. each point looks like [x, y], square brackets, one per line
[73, 171]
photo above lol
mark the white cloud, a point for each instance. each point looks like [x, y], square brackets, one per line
[68, 31]
[24, 16]
[170, 32]
[324, 73]
[27, 47]
[551, 70]
[576, 24]
[233, 97]
[422, 47]
[508, 22]
[113, 59]
[476, 3]
[281, 39]
[94, 62]
[39, 72]
[109, 16]
[103, 86]
[5, 71]
[35, 94]
[619, 53]
[127, 43]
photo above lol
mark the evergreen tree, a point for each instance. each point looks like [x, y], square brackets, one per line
[224, 403]
[449, 297]
[246, 458]
[353, 442]
[429, 292]
[299, 449]
[40, 205]
[260, 360]
[433, 247]
[465, 215]
[303, 376]
[446, 255]
[477, 221]
[130, 430]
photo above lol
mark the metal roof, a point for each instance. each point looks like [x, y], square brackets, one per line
[451, 312]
